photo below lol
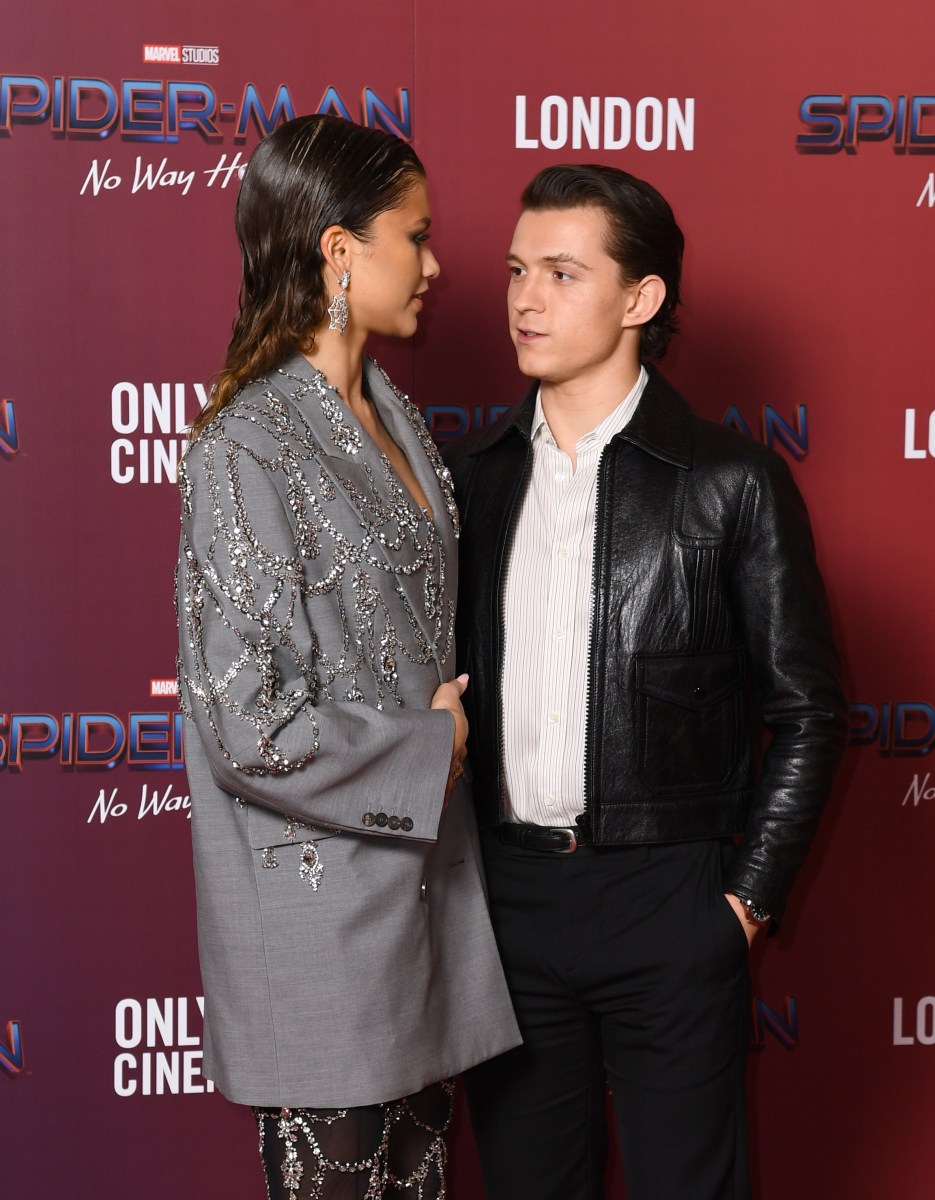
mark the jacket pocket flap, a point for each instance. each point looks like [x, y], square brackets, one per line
[266, 828]
[690, 680]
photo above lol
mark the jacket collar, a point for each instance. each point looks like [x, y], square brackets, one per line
[661, 424]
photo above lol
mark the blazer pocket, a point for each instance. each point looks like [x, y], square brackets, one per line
[689, 715]
[267, 828]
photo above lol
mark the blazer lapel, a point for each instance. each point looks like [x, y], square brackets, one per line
[431, 593]
[407, 428]
[350, 459]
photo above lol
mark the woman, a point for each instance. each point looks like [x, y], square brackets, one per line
[348, 963]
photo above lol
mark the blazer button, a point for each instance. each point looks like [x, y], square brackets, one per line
[382, 820]
[368, 819]
[393, 822]
[699, 693]
[406, 824]
[423, 891]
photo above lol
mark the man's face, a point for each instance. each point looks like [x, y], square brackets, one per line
[567, 305]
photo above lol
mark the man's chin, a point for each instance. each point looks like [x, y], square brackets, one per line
[527, 363]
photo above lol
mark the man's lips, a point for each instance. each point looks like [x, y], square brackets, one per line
[528, 336]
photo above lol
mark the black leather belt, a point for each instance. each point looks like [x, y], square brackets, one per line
[540, 837]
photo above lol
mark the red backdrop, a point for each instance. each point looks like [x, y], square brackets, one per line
[805, 186]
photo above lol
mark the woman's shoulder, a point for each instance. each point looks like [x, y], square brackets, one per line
[259, 412]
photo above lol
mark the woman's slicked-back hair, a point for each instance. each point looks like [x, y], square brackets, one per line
[309, 174]
[642, 235]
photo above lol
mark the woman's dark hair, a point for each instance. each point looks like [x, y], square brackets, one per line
[642, 236]
[310, 173]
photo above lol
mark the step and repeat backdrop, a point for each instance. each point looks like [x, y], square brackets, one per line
[796, 144]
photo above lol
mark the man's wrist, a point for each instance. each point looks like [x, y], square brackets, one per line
[754, 913]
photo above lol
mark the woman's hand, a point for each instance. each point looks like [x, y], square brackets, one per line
[449, 696]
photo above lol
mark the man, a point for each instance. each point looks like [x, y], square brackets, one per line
[640, 610]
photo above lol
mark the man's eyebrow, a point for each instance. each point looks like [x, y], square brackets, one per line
[553, 260]
[568, 259]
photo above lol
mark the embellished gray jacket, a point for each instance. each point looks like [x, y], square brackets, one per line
[346, 953]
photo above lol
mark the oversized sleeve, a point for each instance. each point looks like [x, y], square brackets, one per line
[780, 603]
[249, 661]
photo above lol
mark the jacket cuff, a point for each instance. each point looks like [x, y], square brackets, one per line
[763, 888]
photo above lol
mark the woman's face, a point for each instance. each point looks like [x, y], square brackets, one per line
[390, 272]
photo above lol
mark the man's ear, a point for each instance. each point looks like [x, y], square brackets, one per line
[646, 298]
[335, 249]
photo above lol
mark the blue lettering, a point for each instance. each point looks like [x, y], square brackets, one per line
[11, 1055]
[252, 106]
[794, 439]
[9, 441]
[379, 115]
[81, 93]
[784, 1028]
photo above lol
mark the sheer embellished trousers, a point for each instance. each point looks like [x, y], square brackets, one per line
[392, 1151]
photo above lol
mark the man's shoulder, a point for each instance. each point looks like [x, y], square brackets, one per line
[714, 443]
[727, 462]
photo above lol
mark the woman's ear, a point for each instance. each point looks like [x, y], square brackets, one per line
[335, 249]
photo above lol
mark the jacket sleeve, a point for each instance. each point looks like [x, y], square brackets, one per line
[249, 664]
[780, 603]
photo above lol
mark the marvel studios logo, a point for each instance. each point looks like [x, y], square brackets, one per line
[186, 55]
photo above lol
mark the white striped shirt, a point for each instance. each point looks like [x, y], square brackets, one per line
[547, 624]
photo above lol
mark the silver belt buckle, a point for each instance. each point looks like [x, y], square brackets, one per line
[572, 844]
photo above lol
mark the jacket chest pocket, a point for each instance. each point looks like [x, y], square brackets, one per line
[689, 714]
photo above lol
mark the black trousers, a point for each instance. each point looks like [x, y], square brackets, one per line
[627, 966]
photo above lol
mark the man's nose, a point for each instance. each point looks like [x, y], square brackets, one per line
[527, 295]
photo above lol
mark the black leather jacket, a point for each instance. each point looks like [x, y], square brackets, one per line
[710, 639]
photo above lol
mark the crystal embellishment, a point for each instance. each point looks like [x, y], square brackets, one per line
[311, 869]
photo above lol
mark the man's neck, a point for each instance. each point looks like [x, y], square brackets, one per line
[576, 406]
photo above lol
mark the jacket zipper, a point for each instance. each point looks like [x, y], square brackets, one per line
[584, 821]
[507, 547]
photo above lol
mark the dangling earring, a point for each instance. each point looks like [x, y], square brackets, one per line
[337, 310]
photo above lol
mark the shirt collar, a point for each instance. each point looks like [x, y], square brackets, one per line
[608, 428]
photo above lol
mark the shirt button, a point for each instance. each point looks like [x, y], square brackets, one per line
[559, 635]
[559, 477]
[550, 801]
[563, 551]
[553, 717]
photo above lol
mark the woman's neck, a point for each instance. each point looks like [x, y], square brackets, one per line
[340, 358]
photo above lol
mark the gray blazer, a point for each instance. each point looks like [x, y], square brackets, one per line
[346, 952]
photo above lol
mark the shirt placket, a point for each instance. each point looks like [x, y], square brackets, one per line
[569, 493]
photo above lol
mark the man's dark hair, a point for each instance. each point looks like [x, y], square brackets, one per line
[642, 235]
